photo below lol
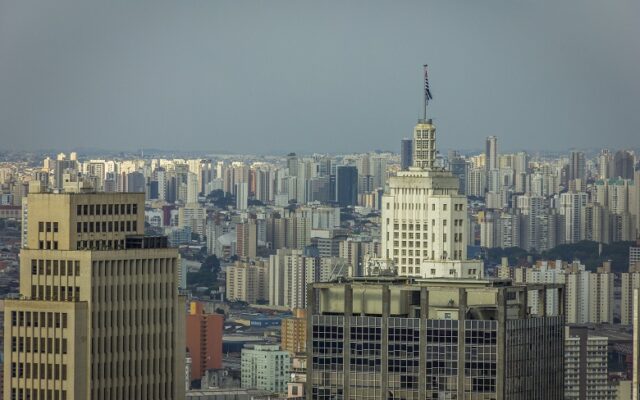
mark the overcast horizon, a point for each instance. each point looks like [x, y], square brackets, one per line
[260, 77]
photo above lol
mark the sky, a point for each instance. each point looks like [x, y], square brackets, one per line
[270, 77]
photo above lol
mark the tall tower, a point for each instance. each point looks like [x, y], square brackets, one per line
[424, 144]
[99, 315]
[577, 166]
[491, 153]
[424, 216]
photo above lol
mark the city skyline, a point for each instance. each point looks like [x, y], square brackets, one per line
[185, 78]
[273, 200]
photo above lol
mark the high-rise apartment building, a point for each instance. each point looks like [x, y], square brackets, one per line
[293, 332]
[99, 315]
[571, 208]
[589, 294]
[543, 273]
[491, 153]
[247, 281]
[586, 372]
[623, 164]
[265, 367]
[247, 239]
[203, 339]
[577, 166]
[629, 281]
[396, 338]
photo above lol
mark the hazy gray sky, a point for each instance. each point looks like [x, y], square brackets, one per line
[326, 76]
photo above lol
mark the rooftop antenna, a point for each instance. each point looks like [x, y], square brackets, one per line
[427, 92]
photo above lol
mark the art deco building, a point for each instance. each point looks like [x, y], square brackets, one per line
[404, 338]
[424, 216]
[99, 315]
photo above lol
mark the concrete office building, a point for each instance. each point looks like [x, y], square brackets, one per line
[346, 185]
[265, 367]
[393, 337]
[99, 315]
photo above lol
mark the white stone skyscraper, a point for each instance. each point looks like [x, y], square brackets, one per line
[424, 217]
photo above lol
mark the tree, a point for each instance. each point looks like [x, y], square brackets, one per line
[211, 263]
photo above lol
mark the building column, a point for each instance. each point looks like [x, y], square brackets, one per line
[311, 311]
[348, 313]
[462, 316]
[384, 346]
[424, 315]
[501, 359]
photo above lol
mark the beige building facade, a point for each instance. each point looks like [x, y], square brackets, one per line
[99, 315]
[248, 282]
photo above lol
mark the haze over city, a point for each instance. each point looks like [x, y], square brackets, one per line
[331, 76]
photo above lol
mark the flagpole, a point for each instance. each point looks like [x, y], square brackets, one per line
[424, 95]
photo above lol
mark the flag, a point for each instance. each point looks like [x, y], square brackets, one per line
[427, 92]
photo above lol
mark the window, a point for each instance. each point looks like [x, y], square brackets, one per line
[41, 226]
